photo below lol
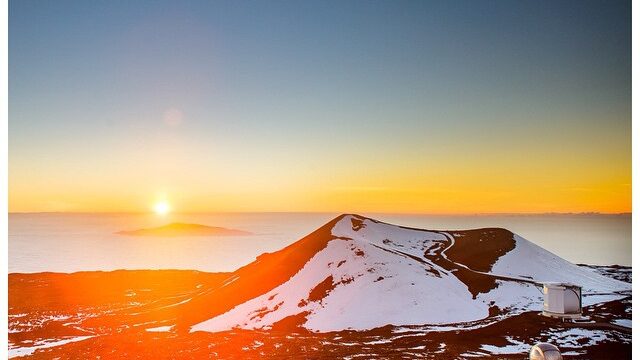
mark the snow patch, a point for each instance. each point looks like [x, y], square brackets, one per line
[160, 329]
[28, 350]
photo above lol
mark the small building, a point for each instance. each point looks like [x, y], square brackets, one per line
[545, 351]
[562, 300]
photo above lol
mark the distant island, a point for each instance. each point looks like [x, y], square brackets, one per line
[182, 229]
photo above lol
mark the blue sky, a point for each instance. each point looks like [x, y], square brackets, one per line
[265, 89]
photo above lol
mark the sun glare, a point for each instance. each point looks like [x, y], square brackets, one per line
[161, 208]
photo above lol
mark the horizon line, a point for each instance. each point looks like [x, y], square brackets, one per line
[549, 213]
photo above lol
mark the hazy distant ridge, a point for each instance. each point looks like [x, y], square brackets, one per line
[182, 229]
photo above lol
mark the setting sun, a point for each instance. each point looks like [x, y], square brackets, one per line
[161, 208]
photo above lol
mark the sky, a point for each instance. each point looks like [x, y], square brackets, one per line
[449, 107]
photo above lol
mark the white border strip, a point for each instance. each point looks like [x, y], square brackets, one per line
[4, 158]
[635, 32]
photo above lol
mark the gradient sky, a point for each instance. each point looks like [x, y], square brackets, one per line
[346, 106]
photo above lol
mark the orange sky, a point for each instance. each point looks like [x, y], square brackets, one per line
[461, 181]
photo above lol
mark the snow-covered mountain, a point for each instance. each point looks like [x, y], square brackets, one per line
[359, 273]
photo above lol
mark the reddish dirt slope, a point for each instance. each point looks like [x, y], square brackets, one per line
[267, 272]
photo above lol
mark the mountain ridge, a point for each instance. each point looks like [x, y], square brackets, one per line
[460, 262]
